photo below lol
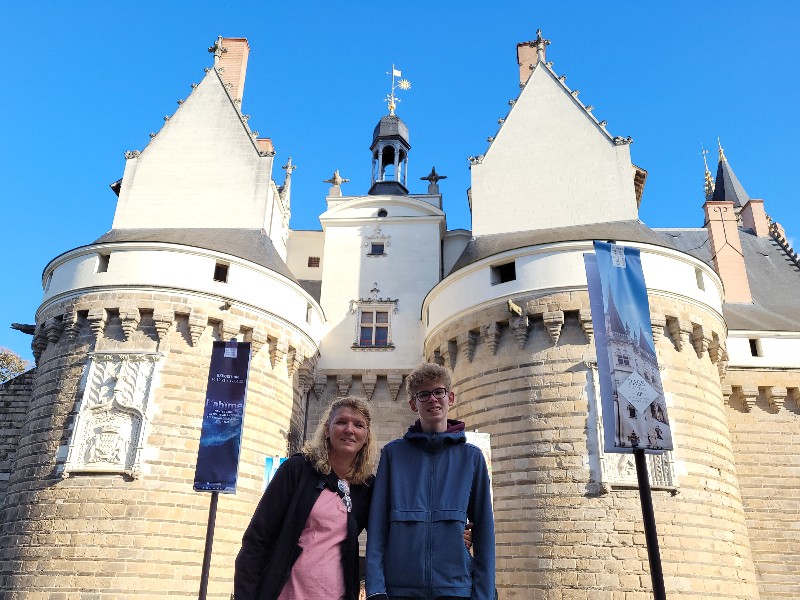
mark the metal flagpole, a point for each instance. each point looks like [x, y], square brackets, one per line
[650, 535]
[212, 517]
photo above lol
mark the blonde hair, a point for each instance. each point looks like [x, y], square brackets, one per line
[316, 450]
[427, 373]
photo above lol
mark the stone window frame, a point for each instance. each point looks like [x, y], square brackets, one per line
[377, 238]
[375, 306]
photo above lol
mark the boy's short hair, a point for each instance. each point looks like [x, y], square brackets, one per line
[427, 373]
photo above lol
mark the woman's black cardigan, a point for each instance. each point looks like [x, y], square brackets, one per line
[269, 546]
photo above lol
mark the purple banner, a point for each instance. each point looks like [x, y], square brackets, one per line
[631, 392]
[220, 438]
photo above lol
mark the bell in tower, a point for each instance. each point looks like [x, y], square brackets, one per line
[390, 147]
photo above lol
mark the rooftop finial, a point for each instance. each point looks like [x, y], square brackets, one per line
[540, 43]
[709, 182]
[217, 49]
[721, 151]
[403, 84]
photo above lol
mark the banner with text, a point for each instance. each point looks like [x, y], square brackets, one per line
[220, 438]
[631, 392]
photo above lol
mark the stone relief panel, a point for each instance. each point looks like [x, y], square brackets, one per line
[110, 426]
[615, 470]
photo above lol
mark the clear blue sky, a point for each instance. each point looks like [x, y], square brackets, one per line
[86, 81]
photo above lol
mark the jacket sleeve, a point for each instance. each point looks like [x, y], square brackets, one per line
[261, 534]
[378, 530]
[481, 514]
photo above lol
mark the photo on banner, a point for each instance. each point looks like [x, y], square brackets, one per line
[223, 417]
[631, 392]
[271, 464]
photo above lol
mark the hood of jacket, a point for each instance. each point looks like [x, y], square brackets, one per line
[434, 441]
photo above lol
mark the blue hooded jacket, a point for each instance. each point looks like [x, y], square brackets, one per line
[428, 485]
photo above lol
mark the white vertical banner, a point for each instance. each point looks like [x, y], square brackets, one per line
[631, 392]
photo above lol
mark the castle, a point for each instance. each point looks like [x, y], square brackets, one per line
[99, 443]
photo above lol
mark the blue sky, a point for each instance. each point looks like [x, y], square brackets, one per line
[86, 81]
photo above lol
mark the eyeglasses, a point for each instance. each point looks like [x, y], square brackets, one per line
[425, 396]
[344, 487]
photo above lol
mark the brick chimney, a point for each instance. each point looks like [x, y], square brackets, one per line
[233, 61]
[726, 248]
[755, 217]
[528, 54]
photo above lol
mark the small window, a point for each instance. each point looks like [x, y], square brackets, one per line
[309, 310]
[631, 412]
[48, 282]
[755, 347]
[373, 327]
[102, 263]
[383, 212]
[698, 274]
[313, 261]
[504, 273]
[377, 248]
[221, 273]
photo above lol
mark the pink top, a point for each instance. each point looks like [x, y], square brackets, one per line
[318, 571]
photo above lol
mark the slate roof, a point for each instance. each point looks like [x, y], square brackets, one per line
[727, 186]
[249, 244]
[774, 278]
[629, 231]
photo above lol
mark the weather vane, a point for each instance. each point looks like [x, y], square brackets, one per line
[403, 84]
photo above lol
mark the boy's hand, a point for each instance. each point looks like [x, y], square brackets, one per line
[468, 536]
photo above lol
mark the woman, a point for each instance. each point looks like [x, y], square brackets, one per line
[302, 542]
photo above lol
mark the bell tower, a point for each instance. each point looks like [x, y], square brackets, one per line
[390, 147]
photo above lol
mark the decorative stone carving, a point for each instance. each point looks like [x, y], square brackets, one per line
[129, 317]
[197, 325]
[110, 427]
[748, 395]
[257, 341]
[343, 383]
[38, 343]
[97, 321]
[519, 327]
[163, 319]
[553, 322]
[609, 471]
[129, 154]
[727, 393]
[52, 329]
[320, 383]
[491, 335]
[776, 396]
[680, 331]
[394, 380]
[304, 377]
[722, 365]
[294, 361]
[701, 340]
[228, 329]
[278, 349]
[368, 380]
[585, 318]
[73, 323]
[465, 343]
[657, 324]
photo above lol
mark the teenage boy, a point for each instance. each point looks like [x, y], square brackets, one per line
[429, 484]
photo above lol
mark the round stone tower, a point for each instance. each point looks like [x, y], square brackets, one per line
[513, 322]
[101, 498]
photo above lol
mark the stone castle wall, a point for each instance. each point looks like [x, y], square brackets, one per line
[140, 533]
[565, 525]
[15, 395]
[764, 414]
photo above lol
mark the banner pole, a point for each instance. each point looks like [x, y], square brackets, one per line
[212, 517]
[650, 535]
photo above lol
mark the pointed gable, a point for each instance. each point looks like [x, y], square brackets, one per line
[552, 164]
[203, 169]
